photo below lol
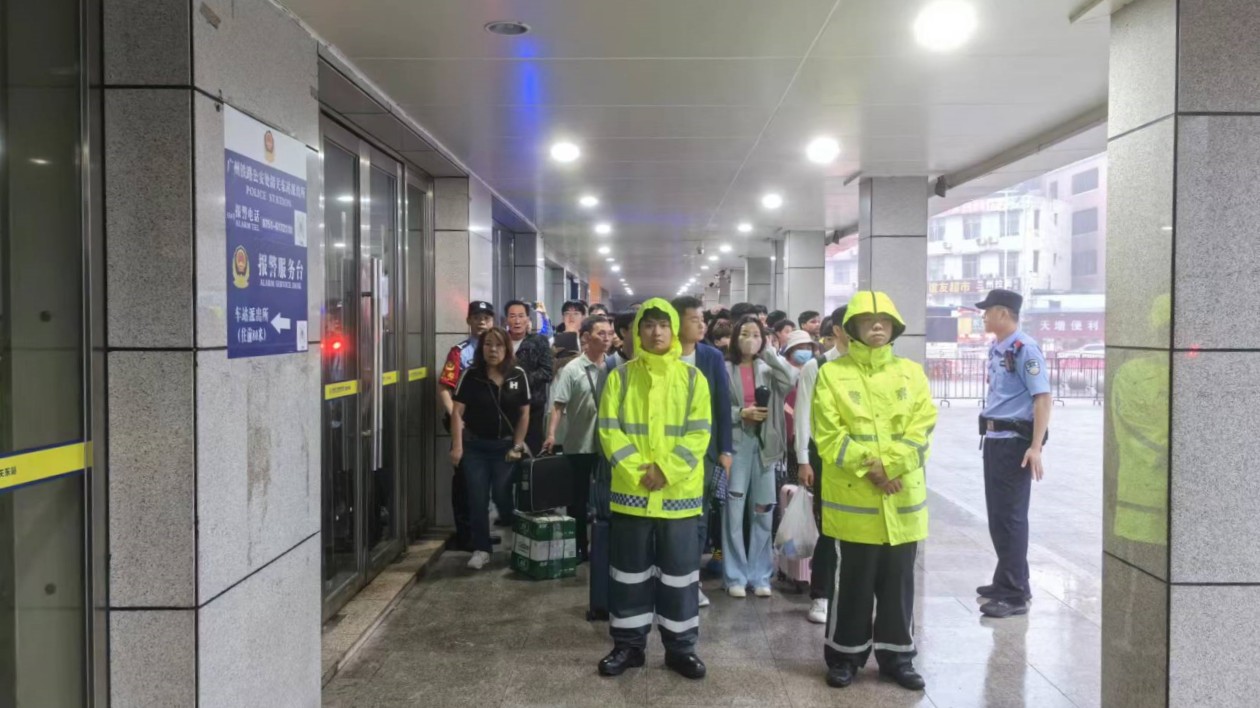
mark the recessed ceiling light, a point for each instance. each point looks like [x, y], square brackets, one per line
[725, 248]
[945, 25]
[589, 200]
[745, 227]
[339, 244]
[823, 150]
[773, 258]
[772, 201]
[610, 259]
[345, 198]
[507, 28]
[616, 269]
[565, 152]
[704, 267]
[605, 250]
[713, 258]
[603, 229]
[40, 161]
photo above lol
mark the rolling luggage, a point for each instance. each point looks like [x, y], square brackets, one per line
[598, 565]
[792, 570]
[543, 483]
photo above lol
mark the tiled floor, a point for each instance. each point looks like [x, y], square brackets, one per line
[494, 639]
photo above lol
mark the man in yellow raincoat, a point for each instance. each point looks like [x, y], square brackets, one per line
[872, 419]
[654, 424]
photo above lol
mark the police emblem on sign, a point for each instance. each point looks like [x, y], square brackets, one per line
[1033, 367]
[856, 397]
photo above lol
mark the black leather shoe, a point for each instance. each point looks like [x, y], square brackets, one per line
[688, 665]
[990, 592]
[840, 675]
[1001, 609]
[620, 659]
[906, 677]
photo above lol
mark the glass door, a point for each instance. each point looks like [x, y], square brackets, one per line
[43, 588]
[361, 364]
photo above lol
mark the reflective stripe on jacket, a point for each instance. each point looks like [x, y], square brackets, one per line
[872, 404]
[655, 409]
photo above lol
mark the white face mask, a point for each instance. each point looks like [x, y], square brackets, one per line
[749, 346]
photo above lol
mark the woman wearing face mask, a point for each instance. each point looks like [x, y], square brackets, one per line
[759, 440]
[799, 349]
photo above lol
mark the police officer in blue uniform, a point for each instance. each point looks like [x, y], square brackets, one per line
[1014, 425]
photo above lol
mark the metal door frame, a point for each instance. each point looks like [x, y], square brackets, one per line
[369, 564]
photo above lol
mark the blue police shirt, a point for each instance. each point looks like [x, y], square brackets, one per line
[1011, 391]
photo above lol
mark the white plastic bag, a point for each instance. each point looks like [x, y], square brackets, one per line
[798, 534]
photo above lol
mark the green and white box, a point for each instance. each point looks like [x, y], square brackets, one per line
[545, 546]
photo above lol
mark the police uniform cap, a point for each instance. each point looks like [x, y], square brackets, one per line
[1012, 301]
[480, 307]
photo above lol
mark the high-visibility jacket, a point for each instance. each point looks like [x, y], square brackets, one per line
[871, 404]
[655, 409]
[1139, 425]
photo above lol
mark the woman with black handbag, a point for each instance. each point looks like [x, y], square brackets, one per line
[488, 426]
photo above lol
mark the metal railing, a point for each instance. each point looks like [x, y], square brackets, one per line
[968, 379]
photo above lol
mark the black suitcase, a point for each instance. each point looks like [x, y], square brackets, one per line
[543, 483]
[598, 566]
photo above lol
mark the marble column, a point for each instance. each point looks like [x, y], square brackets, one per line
[779, 291]
[739, 287]
[758, 276]
[804, 272]
[213, 463]
[1181, 569]
[892, 252]
[531, 285]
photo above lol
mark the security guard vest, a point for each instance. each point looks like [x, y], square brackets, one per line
[655, 409]
[872, 404]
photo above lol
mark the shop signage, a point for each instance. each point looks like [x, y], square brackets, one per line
[972, 286]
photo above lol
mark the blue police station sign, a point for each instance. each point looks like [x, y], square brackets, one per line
[266, 238]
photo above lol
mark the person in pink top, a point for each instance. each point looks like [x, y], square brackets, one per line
[759, 440]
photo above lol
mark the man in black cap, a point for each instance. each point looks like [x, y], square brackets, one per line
[480, 319]
[1014, 423]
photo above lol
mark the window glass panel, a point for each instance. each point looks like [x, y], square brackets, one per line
[42, 584]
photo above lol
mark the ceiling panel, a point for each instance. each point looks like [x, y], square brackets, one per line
[567, 28]
[688, 111]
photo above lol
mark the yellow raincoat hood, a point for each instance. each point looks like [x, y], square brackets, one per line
[866, 302]
[675, 346]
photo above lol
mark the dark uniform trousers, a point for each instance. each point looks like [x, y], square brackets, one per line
[654, 565]
[822, 565]
[868, 573]
[1007, 488]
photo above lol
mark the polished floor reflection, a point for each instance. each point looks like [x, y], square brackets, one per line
[492, 639]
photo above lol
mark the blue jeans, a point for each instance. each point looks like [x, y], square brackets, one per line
[489, 474]
[750, 499]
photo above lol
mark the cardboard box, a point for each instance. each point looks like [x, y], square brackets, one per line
[545, 547]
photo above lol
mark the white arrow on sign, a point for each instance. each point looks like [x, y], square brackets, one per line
[280, 323]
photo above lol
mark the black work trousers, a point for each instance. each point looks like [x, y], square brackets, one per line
[1007, 489]
[581, 469]
[654, 566]
[868, 574]
[822, 565]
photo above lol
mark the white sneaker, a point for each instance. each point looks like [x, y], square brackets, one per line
[763, 592]
[478, 560]
[737, 592]
[818, 611]
[704, 599]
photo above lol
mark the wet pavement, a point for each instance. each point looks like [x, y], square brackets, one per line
[492, 638]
